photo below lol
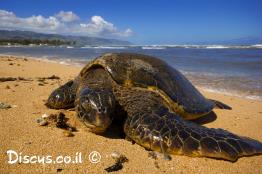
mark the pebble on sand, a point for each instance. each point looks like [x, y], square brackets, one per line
[41, 122]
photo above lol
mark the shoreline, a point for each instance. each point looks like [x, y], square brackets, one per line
[80, 65]
[21, 133]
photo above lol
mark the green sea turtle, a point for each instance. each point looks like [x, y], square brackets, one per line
[155, 102]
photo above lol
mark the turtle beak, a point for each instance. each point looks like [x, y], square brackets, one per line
[102, 120]
[99, 124]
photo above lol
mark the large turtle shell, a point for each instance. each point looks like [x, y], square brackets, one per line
[137, 70]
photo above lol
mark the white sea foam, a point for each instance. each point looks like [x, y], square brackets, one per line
[87, 47]
[216, 47]
[257, 45]
[105, 47]
[153, 47]
[230, 93]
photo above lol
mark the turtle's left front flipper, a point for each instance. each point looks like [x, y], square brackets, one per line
[63, 97]
[166, 132]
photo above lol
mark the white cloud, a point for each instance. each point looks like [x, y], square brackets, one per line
[126, 33]
[62, 23]
[35, 23]
[99, 26]
[67, 16]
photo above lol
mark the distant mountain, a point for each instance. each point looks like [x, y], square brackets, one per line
[78, 40]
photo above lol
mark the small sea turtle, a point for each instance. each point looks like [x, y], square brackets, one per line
[154, 101]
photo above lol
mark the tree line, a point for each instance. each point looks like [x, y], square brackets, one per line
[35, 41]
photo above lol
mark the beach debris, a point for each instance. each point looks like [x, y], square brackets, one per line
[41, 84]
[117, 166]
[41, 121]
[59, 170]
[11, 64]
[61, 121]
[58, 120]
[5, 106]
[53, 77]
[5, 79]
[120, 159]
[7, 87]
[44, 116]
[24, 79]
[42, 80]
[25, 59]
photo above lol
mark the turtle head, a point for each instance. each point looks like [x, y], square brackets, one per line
[95, 107]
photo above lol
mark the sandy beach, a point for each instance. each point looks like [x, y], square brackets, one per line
[20, 131]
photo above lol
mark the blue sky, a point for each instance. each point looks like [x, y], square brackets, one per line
[139, 21]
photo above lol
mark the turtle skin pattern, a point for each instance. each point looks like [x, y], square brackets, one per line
[151, 124]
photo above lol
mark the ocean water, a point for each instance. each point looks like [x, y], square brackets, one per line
[232, 70]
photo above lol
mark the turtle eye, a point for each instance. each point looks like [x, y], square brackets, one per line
[57, 96]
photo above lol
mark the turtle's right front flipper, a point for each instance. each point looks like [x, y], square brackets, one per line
[63, 97]
[168, 133]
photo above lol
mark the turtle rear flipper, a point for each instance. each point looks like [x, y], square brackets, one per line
[220, 105]
[168, 133]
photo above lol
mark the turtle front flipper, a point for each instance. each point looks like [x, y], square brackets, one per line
[63, 97]
[166, 132]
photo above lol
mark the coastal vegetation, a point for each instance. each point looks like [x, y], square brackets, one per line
[55, 42]
[13, 37]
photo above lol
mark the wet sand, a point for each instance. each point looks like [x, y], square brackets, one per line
[20, 131]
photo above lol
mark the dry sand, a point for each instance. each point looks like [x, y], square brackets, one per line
[20, 132]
